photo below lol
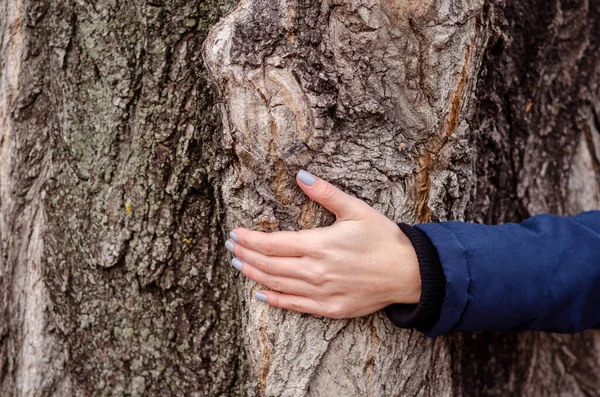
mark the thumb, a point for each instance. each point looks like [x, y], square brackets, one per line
[344, 206]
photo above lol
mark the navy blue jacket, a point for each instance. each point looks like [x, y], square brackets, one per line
[541, 274]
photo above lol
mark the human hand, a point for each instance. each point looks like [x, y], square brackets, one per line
[357, 266]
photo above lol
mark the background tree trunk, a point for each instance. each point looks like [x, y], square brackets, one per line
[537, 130]
[120, 175]
[112, 266]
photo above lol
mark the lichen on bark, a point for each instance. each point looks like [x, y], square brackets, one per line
[114, 98]
[121, 172]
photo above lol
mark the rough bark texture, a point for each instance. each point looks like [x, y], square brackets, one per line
[374, 97]
[537, 130]
[120, 174]
[109, 163]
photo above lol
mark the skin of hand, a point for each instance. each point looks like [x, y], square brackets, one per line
[358, 265]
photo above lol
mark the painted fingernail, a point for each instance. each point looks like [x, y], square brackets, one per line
[235, 262]
[306, 177]
[233, 236]
[260, 296]
[229, 245]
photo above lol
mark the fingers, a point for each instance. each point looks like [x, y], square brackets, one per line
[277, 283]
[296, 303]
[302, 304]
[283, 243]
[292, 267]
[344, 206]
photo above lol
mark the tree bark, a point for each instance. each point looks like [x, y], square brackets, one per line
[537, 131]
[374, 97]
[112, 266]
[121, 173]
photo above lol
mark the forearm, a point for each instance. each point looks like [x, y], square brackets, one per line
[541, 274]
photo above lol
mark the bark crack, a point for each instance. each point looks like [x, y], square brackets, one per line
[426, 161]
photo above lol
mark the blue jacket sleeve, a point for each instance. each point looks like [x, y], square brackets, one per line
[541, 274]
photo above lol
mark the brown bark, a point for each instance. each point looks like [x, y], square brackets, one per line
[109, 173]
[374, 97]
[120, 174]
[538, 141]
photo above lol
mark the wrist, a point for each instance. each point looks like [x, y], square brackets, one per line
[409, 273]
[426, 312]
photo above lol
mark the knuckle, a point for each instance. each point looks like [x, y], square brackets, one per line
[317, 276]
[336, 311]
[275, 300]
[275, 283]
[329, 192]
[264, 265]
[239, 251]
[296, 306]
[249, 272]
[268, 246]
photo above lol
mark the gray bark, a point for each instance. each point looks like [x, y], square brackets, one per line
[121, 172]
[374, 97]
[111, 241]
[538, 139]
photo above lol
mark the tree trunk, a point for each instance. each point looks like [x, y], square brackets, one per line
[121, 173]
[537, 133]
[112, 268]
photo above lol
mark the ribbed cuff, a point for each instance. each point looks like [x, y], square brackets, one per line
[433, 285]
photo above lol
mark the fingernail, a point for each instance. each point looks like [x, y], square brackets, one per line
[235, 262]
[229, 246]
[260, 296]
[306, 177]
[233, 236]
